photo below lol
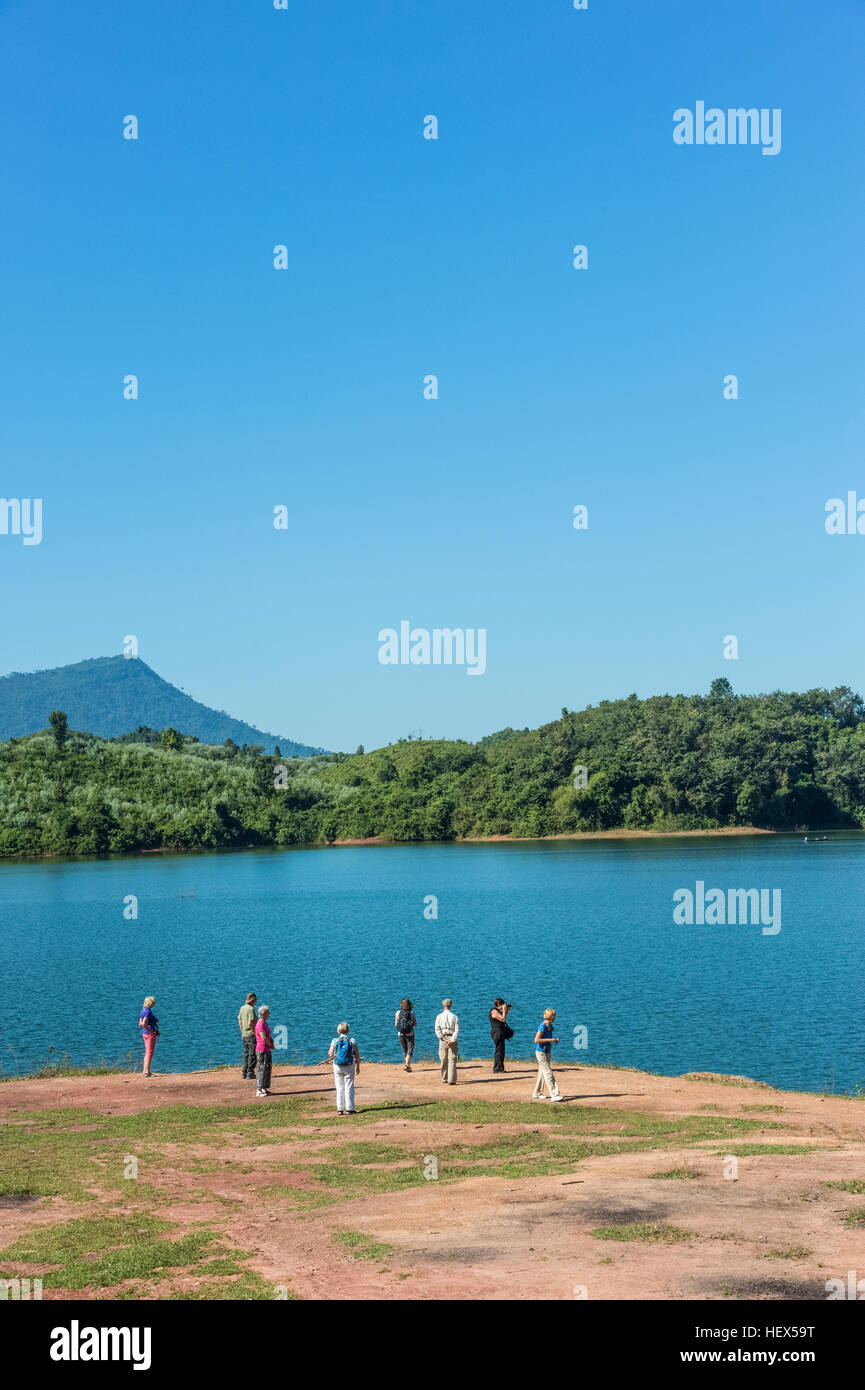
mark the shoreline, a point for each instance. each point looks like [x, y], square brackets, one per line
[85, 1074]
[618, 833]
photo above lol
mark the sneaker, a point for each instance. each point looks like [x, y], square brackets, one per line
[556, 1097]
[261, 1093]
[538, 1097]
[340, 1112]
[351, 1112]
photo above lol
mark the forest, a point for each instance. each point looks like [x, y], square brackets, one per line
[671, 762]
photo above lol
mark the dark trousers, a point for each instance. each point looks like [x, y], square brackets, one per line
[499, 1054]
[249, 1058]
[264, 1066]
[407, 1044]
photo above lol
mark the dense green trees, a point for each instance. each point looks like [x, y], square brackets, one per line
[785, 761]
[59, 728]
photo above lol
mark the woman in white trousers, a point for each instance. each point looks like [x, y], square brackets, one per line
[346, 1066]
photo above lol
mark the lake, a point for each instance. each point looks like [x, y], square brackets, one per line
[326, 934]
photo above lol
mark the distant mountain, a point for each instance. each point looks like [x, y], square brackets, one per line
[111, 695]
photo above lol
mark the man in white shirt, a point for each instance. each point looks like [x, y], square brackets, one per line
[447, 1032]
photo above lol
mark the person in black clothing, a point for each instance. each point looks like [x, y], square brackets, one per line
[405, 1024]
[500, 1032]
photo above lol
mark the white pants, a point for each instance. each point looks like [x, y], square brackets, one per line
[344, 1078]
[545, 1073]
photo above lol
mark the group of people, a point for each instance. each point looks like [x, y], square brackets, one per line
[344, 1053]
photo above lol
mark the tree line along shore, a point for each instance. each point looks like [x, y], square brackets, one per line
[781, 761]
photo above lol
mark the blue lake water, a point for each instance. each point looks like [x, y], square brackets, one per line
[328, 934]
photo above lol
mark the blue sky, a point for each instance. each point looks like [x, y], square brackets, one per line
[408, 257]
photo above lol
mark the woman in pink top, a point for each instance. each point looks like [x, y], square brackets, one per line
[263, 1050]
[149, 1025]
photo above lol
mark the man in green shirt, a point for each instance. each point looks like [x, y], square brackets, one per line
[246, 1020]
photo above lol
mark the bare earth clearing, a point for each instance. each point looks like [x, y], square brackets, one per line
[240, 1195]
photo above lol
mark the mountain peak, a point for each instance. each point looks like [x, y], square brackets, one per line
[111, 695]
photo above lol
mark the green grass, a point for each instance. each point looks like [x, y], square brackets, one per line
[748, 1150]
[66, 1152]
[854, 1185]
[652, 1232]
[124, 1247]
[247, 1289]
[365, 1151]
[788, 1252]
[778, 1108]
[537, 1154]
[367, 1179]
[856, 1218]
[725, 1081]
[300, 1196]
[574, 1118]
[683, 1172]
[362, 1246]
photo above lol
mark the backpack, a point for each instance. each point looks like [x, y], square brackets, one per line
[343, 1052]
[404, 1023]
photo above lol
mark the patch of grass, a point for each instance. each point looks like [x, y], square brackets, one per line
[683, 1172]
[362, 1246]
[250, 1287]
[718, 1080]
[854, 1185]
[65, 1118]
[367, 1179]
[778, 1108]
[856, 1218]
[103, 1251]
[652, 1232]
[787, 1252]
[227, 1265]
[556, 1156]
[748, 1150]
[66, 1152]
[366, 1151]
[301, 1196]
[571, 1118]
[534, 1154]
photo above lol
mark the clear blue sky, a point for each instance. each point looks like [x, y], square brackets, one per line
[408, 257]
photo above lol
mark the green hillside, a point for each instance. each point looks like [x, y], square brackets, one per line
[110, 695]
[787, 761]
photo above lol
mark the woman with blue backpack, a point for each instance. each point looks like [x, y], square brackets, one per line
[405, 1024]
[346, 1066]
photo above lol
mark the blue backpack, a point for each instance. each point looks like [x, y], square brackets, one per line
[343, 1052]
